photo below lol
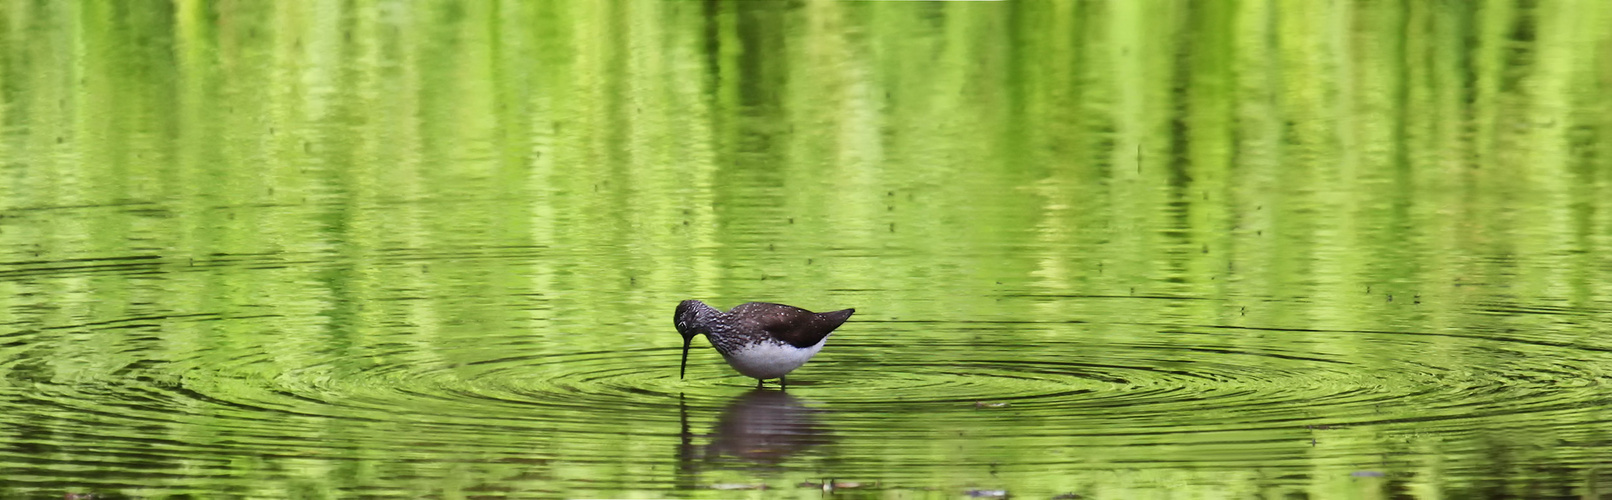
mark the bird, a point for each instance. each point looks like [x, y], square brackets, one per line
[758, 339]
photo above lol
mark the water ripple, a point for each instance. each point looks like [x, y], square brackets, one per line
[122, 388]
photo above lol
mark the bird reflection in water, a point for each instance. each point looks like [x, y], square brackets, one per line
[762, 426]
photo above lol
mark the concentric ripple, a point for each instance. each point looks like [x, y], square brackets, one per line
[114, 400]
[1137, 382]
[1228, 377]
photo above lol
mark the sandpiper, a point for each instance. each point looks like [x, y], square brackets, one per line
[758, 339]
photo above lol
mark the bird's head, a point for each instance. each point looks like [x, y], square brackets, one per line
[689, 321]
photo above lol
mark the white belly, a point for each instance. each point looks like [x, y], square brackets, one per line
[766, 360]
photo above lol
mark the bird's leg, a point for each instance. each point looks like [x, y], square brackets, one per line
[758, 383]
[782, 383]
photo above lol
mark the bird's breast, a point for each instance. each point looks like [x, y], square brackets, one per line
[769, 358]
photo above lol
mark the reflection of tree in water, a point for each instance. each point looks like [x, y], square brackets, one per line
[761, 426]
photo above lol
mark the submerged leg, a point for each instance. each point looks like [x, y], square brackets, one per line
[781, 382]
[758, 383]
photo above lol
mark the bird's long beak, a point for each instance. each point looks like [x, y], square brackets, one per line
[684, 369]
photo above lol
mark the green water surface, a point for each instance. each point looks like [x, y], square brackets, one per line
[1130, 249]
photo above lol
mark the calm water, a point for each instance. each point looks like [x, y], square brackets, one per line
[1113, 250]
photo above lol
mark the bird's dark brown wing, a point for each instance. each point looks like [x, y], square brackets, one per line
[796, 326]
